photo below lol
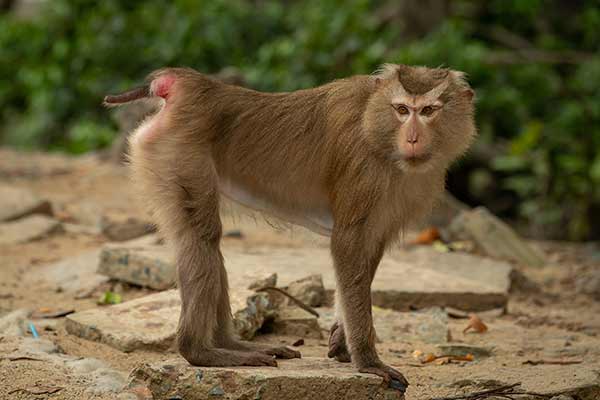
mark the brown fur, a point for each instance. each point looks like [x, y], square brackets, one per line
[335, 148]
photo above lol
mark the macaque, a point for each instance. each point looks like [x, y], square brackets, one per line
[357, 159]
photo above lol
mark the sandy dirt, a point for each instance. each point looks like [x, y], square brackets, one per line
[556, 323]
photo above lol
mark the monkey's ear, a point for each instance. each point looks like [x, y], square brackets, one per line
[377, 82]
[468, 94]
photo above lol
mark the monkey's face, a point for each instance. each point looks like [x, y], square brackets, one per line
[419, 118]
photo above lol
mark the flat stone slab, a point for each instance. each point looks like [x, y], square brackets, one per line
[150, 322]
[418, 278]
[27, 229]
[145, 323]
[318, 378]
[16, 203]
[306, 378]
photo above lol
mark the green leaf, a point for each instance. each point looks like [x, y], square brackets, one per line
[110, 298]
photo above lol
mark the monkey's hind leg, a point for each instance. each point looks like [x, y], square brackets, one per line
[180, 183]
[227, 340]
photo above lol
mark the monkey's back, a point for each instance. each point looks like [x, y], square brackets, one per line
[280, 146]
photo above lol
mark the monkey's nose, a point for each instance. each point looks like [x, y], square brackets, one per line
[412, 140]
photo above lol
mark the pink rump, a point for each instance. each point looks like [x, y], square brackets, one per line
[162, 85]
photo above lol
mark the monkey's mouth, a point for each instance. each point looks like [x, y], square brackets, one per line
[417, 159]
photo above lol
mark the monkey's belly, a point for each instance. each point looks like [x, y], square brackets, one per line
[317, 219]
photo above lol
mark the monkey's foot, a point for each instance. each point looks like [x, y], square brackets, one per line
[229, 358]
[394, 379]
[337, 344]
[277, 351]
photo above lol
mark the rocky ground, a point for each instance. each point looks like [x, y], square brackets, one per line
[72, 235]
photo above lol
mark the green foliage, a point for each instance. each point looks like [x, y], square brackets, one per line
[542, 111]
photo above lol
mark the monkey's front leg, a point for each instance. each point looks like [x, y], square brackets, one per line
[356, 258]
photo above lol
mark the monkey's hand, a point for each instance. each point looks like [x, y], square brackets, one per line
[392, 378]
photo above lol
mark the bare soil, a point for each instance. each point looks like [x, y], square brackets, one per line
[553, 324]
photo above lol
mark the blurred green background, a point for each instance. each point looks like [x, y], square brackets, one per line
[535, 66]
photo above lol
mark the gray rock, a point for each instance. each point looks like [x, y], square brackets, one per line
[294, 321]
[248, 320]
[14, 323]
[16, 203]
[306, 378]
[149, 266]
[268, 281]
[150, 322]
[493, 237]
[309, 290]
[27, 229]
[562, 397]
[122, 230]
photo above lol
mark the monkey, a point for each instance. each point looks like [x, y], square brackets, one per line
[358, 159]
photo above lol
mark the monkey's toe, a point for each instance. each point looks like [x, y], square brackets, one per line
[391, 377]
[282, 352]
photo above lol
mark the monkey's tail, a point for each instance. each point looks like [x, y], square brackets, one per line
[159, 84]
[140, 92]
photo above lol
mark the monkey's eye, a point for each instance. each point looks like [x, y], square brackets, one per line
[427, 111]
[401, 109]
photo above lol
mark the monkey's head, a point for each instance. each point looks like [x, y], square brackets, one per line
[420, 118]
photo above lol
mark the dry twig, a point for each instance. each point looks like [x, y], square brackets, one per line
[552, 362]
[507, 392]
[299, 303]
